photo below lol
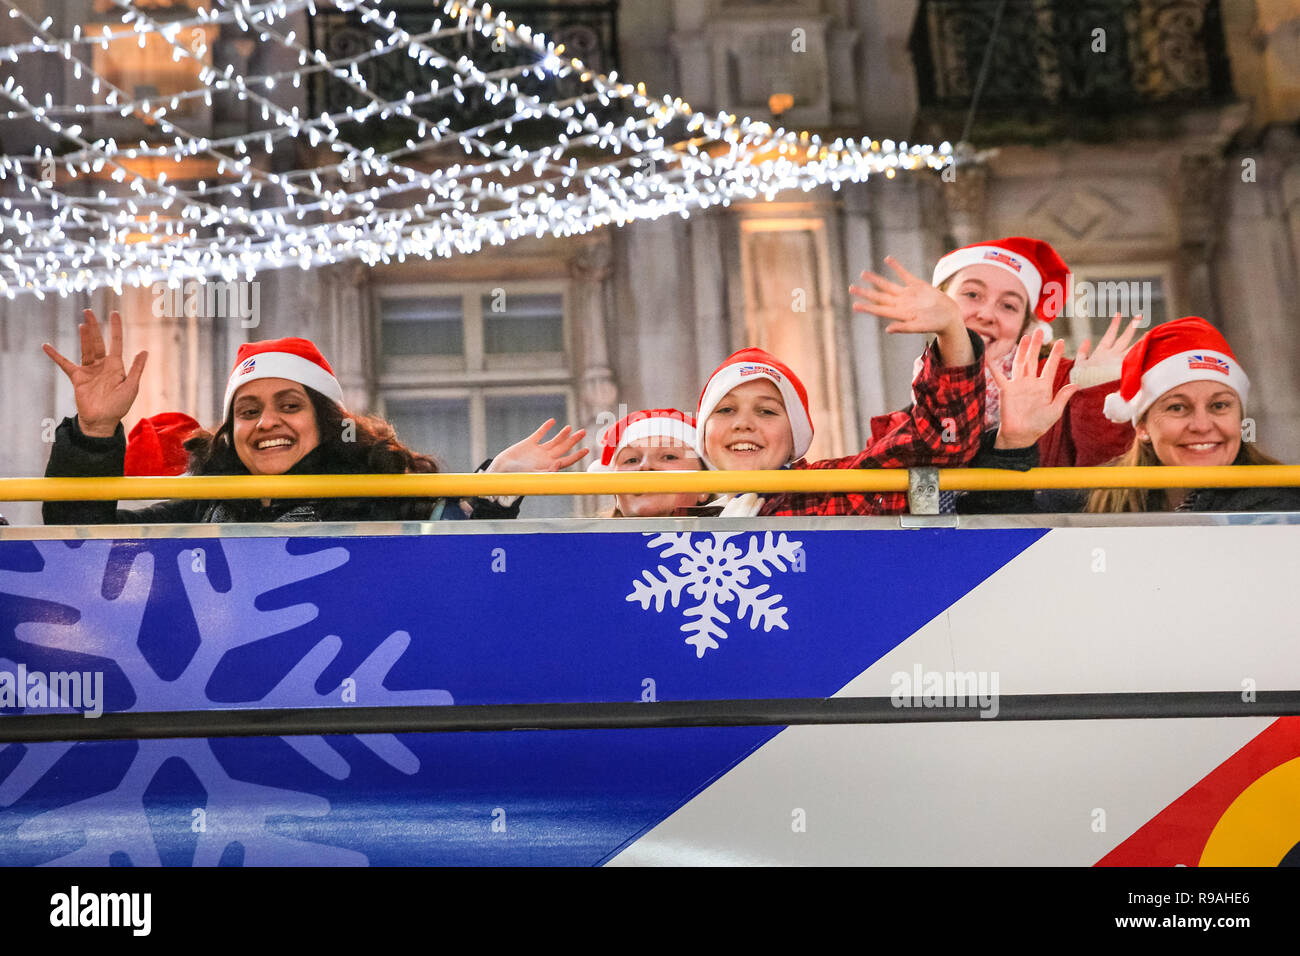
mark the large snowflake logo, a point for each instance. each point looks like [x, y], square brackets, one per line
[240, 813]
[715, 573]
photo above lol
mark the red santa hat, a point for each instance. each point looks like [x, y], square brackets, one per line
[155, 446]
[1175, 353]
[748, 365]
[669, 424]
[1043, 274]
[297, 360]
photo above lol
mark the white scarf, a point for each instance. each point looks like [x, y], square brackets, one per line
[740, 506]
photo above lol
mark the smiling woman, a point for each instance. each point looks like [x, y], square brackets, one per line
[1185, 394]
[282, 414]
[274, 426]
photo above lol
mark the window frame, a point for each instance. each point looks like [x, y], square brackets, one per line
[476, 396]
[1080, 327]
[474, 366]
[476, 376]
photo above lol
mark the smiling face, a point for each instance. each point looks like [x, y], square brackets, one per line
[993, 305]
[275, 425]
[749, 429]
[1198, 423]
[656, 453]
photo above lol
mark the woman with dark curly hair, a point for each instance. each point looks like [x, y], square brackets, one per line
[282, 414]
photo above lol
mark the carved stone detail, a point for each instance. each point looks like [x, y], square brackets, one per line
[1198, 196]
[1076, 214]
[594, 259]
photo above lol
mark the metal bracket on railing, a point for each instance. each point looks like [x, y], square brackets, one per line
[923, 491]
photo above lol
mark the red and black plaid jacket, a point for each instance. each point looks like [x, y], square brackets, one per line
[947, 400]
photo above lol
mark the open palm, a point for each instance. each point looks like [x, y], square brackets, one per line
[1112, 348]
[1027, 407]
[103, 388]
[912, 304]
[533, 454]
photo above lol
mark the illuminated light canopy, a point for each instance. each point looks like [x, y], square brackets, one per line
[87, 213]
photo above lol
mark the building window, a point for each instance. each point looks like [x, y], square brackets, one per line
[467, 370]
[1101, 290]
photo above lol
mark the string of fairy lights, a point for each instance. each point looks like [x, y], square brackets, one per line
[82, 211]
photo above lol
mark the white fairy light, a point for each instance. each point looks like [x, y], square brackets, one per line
[64, 228]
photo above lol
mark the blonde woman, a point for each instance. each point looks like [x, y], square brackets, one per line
[1185, 393]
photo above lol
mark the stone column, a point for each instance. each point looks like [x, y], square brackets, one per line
[966, 201]
[904, 228]
[350, 345]
[589, 297]
[1198, 193]
[710, 286]
[1257, 282]
[864, 333]
[1291, 205]
[589, 268]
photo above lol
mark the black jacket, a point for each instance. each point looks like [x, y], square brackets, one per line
[77, 455]
[1198, 501]
[1074, 500]
[1242, 499]
[999, 502]
[1070, 501]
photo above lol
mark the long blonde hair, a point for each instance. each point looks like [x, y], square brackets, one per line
[1117, 500]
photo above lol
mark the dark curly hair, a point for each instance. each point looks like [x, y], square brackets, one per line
[349, 444]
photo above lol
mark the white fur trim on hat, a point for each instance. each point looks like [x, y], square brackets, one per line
[1006, 260]
[1195, 365]
[659, 426]
[295, 368]
[727, 378]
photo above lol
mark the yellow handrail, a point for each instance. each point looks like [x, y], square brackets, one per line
[584, 483]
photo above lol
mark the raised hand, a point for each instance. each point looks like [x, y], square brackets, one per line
[1110, 350]
[103, 388]
[533, 454]
[914, 305]
[1027, 406]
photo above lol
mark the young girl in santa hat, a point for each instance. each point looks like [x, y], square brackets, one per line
[753, 411]
[282, 414]
[1184, 393]
[1005, 289]
[652, 439]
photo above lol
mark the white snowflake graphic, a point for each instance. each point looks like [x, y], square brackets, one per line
[715, 573]
[237, 810]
